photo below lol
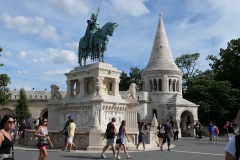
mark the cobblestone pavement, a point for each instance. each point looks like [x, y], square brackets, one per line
[185, 149]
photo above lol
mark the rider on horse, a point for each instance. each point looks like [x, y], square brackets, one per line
[92, 27]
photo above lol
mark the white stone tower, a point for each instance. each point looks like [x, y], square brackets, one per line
[162, 79]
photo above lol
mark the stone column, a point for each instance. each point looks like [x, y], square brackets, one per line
[68, 89]
[95, 135]
[180, 86]
[82, 85]
[165, 85]
[116, 87]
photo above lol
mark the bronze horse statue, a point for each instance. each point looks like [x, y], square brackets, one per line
[99, 44]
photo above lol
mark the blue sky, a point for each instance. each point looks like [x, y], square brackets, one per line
[40, 38]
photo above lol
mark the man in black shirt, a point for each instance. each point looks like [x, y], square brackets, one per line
[110, 134]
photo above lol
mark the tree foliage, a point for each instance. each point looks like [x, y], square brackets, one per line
[134, 77]
[22, 108]
[5, 94]
[187, 63]
[227, 66]
[124, 81]
[215, 98]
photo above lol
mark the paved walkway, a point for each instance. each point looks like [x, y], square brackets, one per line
[183, 149]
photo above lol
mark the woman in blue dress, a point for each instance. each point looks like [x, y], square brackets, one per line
[123, 135]
[141, 136]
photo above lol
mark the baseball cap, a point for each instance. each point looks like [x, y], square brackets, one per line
[70, 117]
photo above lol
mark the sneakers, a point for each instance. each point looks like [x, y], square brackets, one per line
[75, 148]
[118, 157]
[128, 157]
[161, 148]
[64, 149]
[103, 156]
[67, 151]
[145, 150]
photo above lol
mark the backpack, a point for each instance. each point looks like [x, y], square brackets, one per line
[109, 133]
[216, 130]
[237, 146]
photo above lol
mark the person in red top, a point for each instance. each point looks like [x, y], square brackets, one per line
[110, 134]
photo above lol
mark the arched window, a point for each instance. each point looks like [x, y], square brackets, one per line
[178, 85]
[150, 85]
[170, 85]
[155, 84]
[174, 85]
[160, 85]
[155, 112]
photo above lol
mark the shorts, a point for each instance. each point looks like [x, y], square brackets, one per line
[215, 136]
[41, 146]
[70, 140]
[166, 138]
[111, 142]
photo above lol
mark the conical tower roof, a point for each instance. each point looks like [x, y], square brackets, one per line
[161, 55]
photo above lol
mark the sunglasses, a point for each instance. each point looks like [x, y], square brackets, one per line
[10, 122]
[44, 121]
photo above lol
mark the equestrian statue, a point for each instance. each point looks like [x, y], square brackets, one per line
[94, 43]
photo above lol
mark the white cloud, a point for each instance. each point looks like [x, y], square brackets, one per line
[24, 54]
[57, 72]
[73, 45]
[8, 53]
[39, 60]
[36, 26]
[62, 56]
[24, 72]
[130, 7]
[71, 7]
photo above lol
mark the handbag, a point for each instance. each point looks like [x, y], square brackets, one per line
[10, 158]
[162, 130]
[43, 141]
[119, 140]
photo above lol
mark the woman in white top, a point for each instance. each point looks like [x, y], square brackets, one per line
[231, 147]
[42, 134]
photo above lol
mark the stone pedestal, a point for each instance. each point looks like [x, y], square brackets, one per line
[94, 139]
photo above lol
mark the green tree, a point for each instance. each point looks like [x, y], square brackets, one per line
[227, 66]
[124, 82]
[187, 63]
[22, 108]
[5, 94]
[135, 76]
[215, 98]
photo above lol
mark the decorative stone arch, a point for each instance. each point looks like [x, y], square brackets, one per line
[174, 87]
[170, 85]
[160, 85]
[186, 117]
[5, 111]
[44, 113]
[154, 112]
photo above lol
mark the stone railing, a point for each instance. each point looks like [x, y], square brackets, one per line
[82, 140]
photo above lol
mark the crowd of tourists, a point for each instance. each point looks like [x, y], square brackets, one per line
[9, 128]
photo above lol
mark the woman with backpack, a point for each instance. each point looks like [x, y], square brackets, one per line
[215, 133]
[123, 135]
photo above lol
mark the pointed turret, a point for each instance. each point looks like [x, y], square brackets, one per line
[161, 55]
